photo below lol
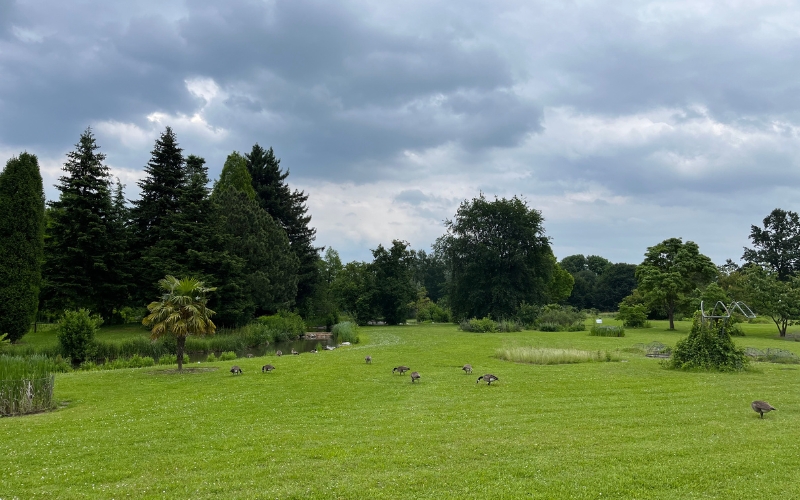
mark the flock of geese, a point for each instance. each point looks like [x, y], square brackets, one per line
[758, 406]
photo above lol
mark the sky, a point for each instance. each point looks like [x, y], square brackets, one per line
[624, 122]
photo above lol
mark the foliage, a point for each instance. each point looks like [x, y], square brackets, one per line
[566, 317]
[427, 310]
[507, 325]
[708, 347]
[499, 258]
[633, 316]
[616, 283]
[345, 332]
[171, 359]
[84, 255]
[769, 296]
[21, 244]
[286, 325]
[549, 356]
[211, 357]
[26, 384]
[560, 287]
[182, 311]
[671, 270]
[485, 325]
[235, 176]
[549, 327]
[429, 271]
[772, 355]
[607, 331]
[777, 246]
[76, 331]
[355, 287]
[528, 314]
[289, 209]
[393, 286]
[227, 356]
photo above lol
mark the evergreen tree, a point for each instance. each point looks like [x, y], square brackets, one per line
[235, 175]
[21, 244]
[81, 256]
[289, 209]
[152, 236]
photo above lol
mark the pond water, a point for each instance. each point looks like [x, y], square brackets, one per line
[302, 346]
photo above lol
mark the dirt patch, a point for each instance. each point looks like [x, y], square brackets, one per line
[193, 369]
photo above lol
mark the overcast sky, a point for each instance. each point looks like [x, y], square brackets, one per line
[624, 122]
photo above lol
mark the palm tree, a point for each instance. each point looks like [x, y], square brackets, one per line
[182, 311]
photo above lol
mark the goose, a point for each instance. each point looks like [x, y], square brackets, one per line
[279, 353]
[329, 348]
[295, 352]
[368, 359]
[414, 377]
[267, 368]
[761, 407]
[313, 351]
[489, 378]
[402, 369]
[236, 370]
[467, 369]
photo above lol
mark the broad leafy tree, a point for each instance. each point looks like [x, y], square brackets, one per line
[355, 288]
[670, 271]
[181, 311]
[617, 282]
[777, 245]
[83, 257]
[394, 287]
[560, 286]
[21, 244]
[430, 272]
[499, 258]
[767, 295]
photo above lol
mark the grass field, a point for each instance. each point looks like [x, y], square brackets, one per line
[331, 426]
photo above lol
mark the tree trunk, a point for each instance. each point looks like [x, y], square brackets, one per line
[181, 343]
[671, 315]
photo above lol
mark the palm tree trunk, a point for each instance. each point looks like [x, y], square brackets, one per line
[181, 343]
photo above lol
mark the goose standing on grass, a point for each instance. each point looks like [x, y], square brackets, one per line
[402, 369]
[414, 377]
[313, 351]
[368, 360]
[295, 352]
[467, 369]
[489, 378]
[267, 368]
[279, 353]
[236, 370]
[761, 407]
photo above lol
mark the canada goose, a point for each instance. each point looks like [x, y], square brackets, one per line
[414, 377]
[313, 351]
[761, 407]
[279, 353]
[402, 369]
[329, 348]
[368, 359]
[249, 355]
[295, 352]
[236, 370]
[467, 369]
[267, 368]
[489, 378]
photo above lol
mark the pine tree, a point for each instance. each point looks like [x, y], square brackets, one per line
[235, 175]
[289, 209]
[155, 242]
[81, 253]
[21, 244]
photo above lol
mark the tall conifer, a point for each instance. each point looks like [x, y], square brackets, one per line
[21, 244]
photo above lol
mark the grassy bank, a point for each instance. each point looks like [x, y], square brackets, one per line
[331, 426]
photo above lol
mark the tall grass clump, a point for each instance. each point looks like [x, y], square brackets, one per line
[565, 318]
[484, 325]
[708, 347]
[607, 331]
[286, 325]
[345, 331]
[26, 384]
[547, 356]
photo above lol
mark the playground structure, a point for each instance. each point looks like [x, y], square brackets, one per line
[721, 312]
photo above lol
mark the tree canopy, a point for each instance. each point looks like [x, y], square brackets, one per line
[777, 245]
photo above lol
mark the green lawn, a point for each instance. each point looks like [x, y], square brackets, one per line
[331, 426]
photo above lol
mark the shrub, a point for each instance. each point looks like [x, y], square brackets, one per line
[607, 331]
[76, 331]
[431, 311]
[633, 316]
[485, 325]
[211, 357]
[509, 326]
[26, 384]
[227, 356]
[172, 359]
[289, 325]
[708, 347]
[528, 314]
[566, 317]
[345, 332]
[546, 356]
[549, 327]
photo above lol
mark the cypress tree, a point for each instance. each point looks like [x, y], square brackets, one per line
[81, 251]
[152, 236]
[235, 175]
[21, 244]
[289, 209]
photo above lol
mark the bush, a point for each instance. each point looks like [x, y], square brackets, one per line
[433, 312]
[607, 331]
[633, 316]
[26, 384]
[485, 325]
[528, 314]
[708, 347]
[345, 332]
[549, 327]
[566, 317]
[227, 356]
[288, 325]
[76, 331]
[509, 326]
[172, 359]
[211, 357]
[546, 356]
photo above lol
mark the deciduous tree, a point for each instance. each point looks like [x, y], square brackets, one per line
[777, 246]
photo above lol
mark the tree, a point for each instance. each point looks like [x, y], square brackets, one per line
[582, 296]
[235, 175]
[575, 264]
[289, 209]
[499, 258]
[181, 311]
[82, 256]
[430, 272]
[560, 286]
[616, 283]
[769, 296]
[777, 246]
[355, 287]
[598, 265]
[671, 270]
[21, 244]
[394, 288]
[152, 236]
